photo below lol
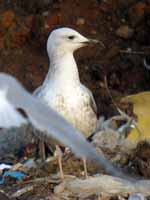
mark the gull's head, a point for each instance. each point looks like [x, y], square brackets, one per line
[66, 40]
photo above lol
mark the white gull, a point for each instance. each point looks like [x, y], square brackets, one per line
[62, 89]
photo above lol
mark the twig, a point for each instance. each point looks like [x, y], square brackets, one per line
[130, 51]
[119, 110]
[23, 191]
[115, 105]
[48, 179]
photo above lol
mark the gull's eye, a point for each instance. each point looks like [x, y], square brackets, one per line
[71, 37]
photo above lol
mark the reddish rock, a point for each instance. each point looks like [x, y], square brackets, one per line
[2, 42]
[30, 150]
[125, 32]
[19, 37]
[15, 30]
[113, 52]
[106, 7]
[136, 13]
[8, 19]
[51, 21]
[29, 21]
[80, 21]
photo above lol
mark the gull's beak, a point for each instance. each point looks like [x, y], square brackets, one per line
[93, 41]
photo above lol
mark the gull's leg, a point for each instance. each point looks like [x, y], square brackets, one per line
[42, 150]
[98, 197]
[85, 167]
[59, 154]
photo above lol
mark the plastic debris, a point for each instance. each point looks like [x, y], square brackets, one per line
[14, 174]
[4, 166]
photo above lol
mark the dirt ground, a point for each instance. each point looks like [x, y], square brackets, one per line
[123, 27]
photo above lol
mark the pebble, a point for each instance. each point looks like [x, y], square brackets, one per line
[124, 31]
[136, 13]
[59, 188]
[80, 21]
[107, 139]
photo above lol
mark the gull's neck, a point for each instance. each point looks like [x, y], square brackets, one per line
[63, 70]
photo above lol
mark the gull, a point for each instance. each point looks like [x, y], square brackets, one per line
[62, 89]
[13, 96]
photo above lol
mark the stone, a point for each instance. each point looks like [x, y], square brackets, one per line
[136, 13]
[106, 139]
[80, 21]
[124, 31]
[7, 19]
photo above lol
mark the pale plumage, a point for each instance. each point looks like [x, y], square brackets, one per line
[75, 107]
[62, 89]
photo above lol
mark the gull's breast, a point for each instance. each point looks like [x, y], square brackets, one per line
[75, 107]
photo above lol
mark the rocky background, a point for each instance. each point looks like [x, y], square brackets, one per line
[123, 26]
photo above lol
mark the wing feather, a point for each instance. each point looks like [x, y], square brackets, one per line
[92, 101]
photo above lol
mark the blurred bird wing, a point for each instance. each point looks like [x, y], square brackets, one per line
[9, 116]
[37, 91]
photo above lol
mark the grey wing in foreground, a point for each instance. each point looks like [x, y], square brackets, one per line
[40, 116]
[37, 91]
[9, 117]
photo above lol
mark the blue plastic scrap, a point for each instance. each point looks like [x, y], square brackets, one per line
[14, 174]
